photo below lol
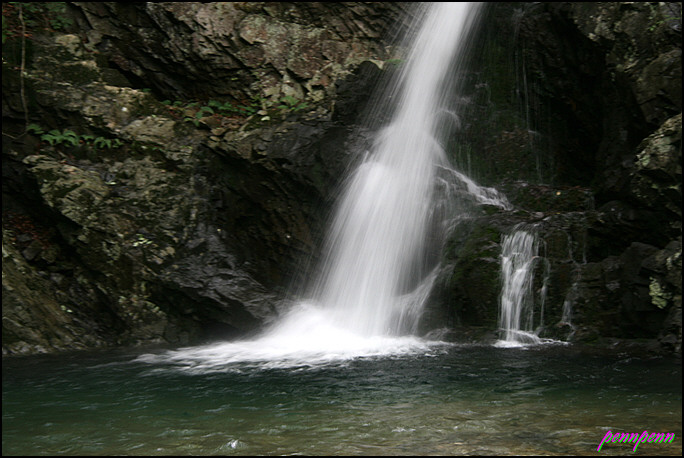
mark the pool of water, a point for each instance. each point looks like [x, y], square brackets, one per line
[443, 399]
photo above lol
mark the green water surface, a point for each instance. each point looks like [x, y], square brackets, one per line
[453, 400]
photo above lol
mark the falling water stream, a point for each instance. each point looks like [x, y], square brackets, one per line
[343, 372]
[380, 235]
[519, 257]
[377, 267]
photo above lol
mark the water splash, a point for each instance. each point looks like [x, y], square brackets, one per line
[307, 337]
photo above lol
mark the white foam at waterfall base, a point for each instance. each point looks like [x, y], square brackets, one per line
[306, 337]
[377, 270]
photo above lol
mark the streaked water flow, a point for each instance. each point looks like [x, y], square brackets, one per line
[519, 257]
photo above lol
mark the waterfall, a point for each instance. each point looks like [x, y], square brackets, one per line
[376, 269]
[381, 255]
[519, 256]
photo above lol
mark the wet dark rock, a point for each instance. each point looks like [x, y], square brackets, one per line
[598, 147]
[657, 177]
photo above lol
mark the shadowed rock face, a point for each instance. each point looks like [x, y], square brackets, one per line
[198, 222]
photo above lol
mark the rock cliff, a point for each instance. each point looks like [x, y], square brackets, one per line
[177, 165]
[168, 167]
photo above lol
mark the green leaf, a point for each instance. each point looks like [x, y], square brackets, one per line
[101, 142]
[35, 128]
[203, 112]
[288, 100]
[51, 139]
[70, 137]
[228, 107]
[247, 110]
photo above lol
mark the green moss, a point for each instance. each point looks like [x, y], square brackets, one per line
[659, 297]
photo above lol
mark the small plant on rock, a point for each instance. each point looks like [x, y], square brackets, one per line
[70, 138]
[290, 103]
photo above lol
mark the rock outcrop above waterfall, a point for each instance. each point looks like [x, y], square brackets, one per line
[187, 50]
[181, 159]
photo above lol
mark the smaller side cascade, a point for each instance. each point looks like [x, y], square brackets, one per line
[519, 257]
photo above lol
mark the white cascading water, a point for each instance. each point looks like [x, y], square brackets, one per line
[380, 233]
[519, 255]
[376, 275]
